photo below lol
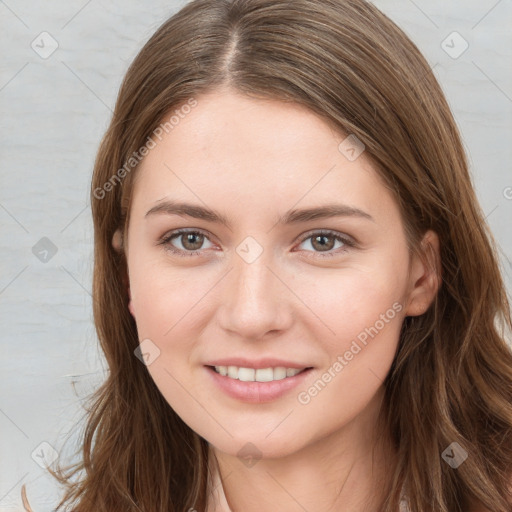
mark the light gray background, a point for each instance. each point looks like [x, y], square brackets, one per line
[53, 114]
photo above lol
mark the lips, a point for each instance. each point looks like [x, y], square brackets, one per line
[257, 380]
[254, 391]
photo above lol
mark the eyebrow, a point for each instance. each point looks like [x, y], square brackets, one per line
[290, 217]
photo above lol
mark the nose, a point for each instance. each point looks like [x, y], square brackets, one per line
[255, 299]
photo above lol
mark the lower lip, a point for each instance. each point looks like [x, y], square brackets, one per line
[257, 392]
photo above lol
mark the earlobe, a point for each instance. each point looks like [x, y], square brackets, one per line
[117, 241]
[425, 275]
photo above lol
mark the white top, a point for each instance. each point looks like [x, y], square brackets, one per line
[219, 502]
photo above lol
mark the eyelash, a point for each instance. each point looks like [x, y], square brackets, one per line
[166, 241]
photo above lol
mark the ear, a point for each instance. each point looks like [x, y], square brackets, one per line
[117, 244]
[424, 276]
[117, 241]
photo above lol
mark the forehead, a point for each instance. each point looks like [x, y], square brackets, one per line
[268, 153]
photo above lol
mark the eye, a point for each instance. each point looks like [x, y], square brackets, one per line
[323, 247]
[190, 240]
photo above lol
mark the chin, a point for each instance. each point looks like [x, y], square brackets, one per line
[255, 447]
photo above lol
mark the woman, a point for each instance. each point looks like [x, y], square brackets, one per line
[296, 292]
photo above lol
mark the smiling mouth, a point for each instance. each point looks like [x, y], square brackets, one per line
[257, 375]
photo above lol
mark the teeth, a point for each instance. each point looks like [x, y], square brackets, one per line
[259, 375]
[246, 374]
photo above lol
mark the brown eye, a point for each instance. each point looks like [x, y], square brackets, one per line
[321, 242]
[191, 241]
[325, 241]
[184, 243]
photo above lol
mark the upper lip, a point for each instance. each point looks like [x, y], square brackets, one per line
[266, 362]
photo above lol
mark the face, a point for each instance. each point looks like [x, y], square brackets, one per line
[255, 278]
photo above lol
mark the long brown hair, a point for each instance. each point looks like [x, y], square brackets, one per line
[451, 380]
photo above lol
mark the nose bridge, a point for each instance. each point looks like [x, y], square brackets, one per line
[254, 299]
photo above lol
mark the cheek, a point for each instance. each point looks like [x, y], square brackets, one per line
[367, 330]
[351, 302]
[164, 299]
[170, 307]
[363, 311]
[366, 317]
[169, 311]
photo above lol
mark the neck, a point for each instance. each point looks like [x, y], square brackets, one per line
[346, 470]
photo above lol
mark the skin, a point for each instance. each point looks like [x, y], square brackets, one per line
[252, 161]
